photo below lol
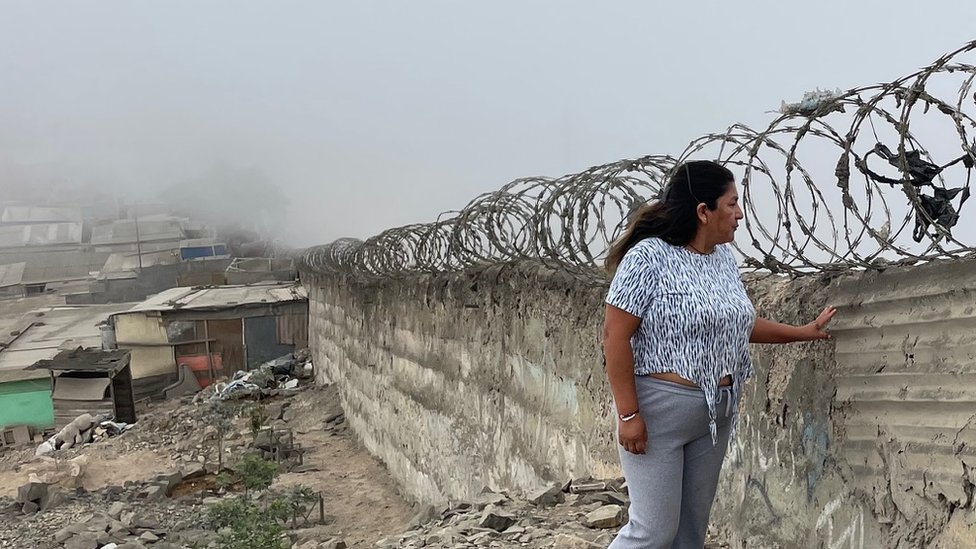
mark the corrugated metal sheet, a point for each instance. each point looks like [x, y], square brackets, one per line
[55, 329]
[124, 231]
[12, 275]
[906, 385]
[60, 266]
[221, 297]
[260, 264]
[34, 214]
[45, 234]
[127, 262]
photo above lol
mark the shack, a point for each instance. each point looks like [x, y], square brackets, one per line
[90, 381]
[25, 393]
[215, 331]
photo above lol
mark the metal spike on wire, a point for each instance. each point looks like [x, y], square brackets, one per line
[863, 178]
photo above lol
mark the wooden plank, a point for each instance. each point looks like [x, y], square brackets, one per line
[229, 343]
[125, 404]
[66, 411]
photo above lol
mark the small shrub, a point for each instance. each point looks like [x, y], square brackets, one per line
[255, 473]
[258, 417]
[224, 480]
[241, 524]
[300, 502]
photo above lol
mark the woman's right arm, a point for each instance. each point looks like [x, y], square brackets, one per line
[618, 327]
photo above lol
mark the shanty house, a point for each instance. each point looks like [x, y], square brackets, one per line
[90, 381]
[213, 330]
[25, 393]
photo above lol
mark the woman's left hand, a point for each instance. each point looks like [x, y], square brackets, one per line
[816, 329]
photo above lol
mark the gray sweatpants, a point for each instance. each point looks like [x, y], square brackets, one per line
[673, 484]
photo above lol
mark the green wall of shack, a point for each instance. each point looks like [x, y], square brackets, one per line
[26, 402]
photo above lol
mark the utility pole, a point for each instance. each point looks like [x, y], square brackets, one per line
[135, 217]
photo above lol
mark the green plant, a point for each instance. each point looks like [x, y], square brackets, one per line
[258, 418]
[224, 480]
[300, 502]
[241, 524]
[227, 512]
[255, 473]
[278, 510]
[221, 416]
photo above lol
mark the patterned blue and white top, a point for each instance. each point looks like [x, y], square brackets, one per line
[696, 317]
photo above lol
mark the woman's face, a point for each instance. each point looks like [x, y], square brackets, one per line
[720, 224]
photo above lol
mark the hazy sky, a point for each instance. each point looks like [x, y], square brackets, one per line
[376, 114]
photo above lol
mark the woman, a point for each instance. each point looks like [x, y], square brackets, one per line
[678, 324]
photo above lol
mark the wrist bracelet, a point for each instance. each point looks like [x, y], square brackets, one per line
[628, 417]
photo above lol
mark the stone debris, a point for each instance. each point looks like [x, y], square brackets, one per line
[547, 518]
[548, 496]
[582, 514]
[92, 520]
[496, 520]
[330, 544]
[84, 429]
[608, 516]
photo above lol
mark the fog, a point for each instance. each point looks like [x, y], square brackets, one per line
[367, 115]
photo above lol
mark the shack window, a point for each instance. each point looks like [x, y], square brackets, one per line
[184, 330]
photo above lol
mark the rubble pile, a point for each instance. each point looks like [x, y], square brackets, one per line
[272, 378]
[83, 430]
[580, 514]
[37, 496]
[99, 519]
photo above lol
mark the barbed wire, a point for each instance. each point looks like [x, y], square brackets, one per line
[840, 180]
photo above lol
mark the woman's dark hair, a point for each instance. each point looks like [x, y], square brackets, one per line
[674, 218]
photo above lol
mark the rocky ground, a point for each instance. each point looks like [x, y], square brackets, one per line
[581, 514]
[157, 480]
[152, 487]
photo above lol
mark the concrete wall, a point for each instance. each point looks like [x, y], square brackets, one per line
[496, 379]
[457, 383]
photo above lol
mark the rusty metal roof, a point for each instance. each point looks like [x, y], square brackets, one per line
[50, 330]
[81, 359]
[12, 275]
[63, 265]
[222, 297]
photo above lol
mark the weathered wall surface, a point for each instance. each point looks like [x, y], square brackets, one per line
[462, 382]
[496, 379]
[905, 408]
[145, 337]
